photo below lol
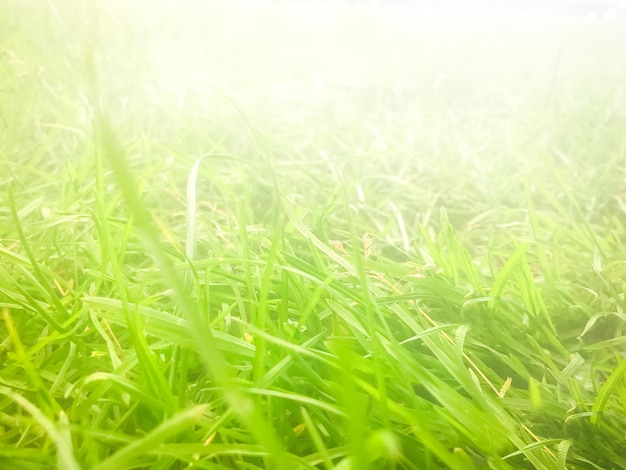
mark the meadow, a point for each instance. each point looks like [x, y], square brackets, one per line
[405, 247]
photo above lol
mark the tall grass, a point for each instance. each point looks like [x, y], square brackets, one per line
[409, 253]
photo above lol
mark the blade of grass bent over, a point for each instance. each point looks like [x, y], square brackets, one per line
[60, 437]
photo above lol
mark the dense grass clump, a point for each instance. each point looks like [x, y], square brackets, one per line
[409, 242]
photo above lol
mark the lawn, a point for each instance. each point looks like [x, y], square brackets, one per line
[405, 247]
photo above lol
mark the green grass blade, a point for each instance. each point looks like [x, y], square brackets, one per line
[614, 380]
[179, 422]
[58, 433]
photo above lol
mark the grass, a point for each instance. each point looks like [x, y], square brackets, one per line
[408, 253]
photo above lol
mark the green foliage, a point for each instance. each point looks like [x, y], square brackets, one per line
[406, 251]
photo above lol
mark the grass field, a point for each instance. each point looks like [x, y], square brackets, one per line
[410, 241]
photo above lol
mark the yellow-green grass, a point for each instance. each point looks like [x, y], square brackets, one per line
[408, 254]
